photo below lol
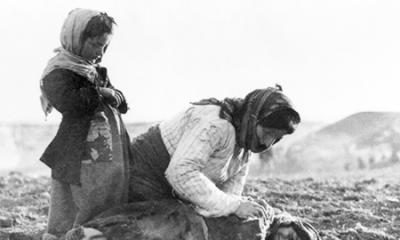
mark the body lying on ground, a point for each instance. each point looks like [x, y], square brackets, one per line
[174, 220]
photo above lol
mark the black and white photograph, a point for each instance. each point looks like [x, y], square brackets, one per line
[200, 120]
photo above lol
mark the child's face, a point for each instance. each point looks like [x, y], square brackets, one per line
[93, 48]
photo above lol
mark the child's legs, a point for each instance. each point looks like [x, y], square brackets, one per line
[62, 210]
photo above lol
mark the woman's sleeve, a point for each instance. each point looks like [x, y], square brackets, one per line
[199, 141]
[63, 93]
[235, 184]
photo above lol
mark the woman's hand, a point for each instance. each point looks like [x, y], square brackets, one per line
[269, 211]
[251, 209]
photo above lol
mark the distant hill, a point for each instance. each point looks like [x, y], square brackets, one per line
[21, 145]
[273, 161]
[362, 140]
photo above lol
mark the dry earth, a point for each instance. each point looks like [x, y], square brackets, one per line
[352, 206]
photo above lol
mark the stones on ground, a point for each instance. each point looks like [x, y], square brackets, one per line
[6, 222]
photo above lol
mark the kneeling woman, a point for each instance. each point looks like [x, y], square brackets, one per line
[201, 156]
[187, 175]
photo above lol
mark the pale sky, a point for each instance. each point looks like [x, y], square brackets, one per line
[333, 58]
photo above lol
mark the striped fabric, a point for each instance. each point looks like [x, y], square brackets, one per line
[202, 170]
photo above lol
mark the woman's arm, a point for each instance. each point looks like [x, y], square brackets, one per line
[199, 141]
[235, 184]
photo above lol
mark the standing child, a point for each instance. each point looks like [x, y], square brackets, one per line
[89, 154]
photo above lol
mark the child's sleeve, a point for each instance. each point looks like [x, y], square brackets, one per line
[120, 98]
[67, 97]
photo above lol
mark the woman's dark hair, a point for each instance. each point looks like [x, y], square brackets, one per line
[98, 26]
[283, 119]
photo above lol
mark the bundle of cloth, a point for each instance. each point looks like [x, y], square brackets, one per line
[173, 220]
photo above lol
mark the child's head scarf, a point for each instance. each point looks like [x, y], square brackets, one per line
[67, 56]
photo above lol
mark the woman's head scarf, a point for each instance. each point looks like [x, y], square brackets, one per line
[302, 227]
[67, 56]
[245, 113]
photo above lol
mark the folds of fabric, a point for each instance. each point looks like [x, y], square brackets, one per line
[103, 178]
[74, 27]
[244, 113]
[149, 161]
[67, 56]
[172, 220]
[150, 220]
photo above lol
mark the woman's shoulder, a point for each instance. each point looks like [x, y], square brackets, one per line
[211, 115]
[222, 130]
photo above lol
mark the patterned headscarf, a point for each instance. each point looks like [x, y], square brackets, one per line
[245, 113]
[67, 56]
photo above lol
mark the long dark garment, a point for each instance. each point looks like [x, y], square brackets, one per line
[148, 164]
[104, 176]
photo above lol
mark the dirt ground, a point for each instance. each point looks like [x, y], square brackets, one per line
[353, 206]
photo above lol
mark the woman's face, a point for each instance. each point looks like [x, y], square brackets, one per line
[94, 48]
[268, 136]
